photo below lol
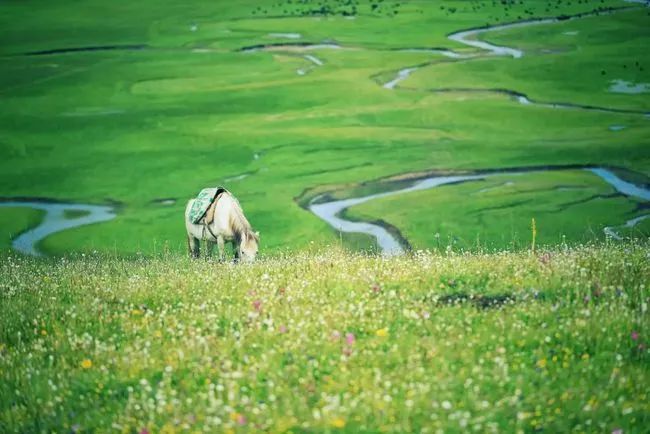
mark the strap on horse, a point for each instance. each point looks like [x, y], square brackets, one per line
[208, 215]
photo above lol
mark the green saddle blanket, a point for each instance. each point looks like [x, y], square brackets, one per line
[203, 202]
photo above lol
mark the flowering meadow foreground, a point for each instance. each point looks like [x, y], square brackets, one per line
[553, 341]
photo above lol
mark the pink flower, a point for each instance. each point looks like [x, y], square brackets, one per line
[144, 431]
[634, 335]
[257, 305]
[241, 419]
[349, 338]
[282, 329]
[617, 431]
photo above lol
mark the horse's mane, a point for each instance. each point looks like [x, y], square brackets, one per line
[238, 221]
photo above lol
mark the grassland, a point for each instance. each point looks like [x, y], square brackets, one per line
[188, 109]
[570, 206]
[571, 61]
[328, 341]
[13, 221]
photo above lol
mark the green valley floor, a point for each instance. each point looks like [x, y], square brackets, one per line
[139, 105]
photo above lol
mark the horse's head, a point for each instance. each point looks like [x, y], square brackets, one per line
[249, 246]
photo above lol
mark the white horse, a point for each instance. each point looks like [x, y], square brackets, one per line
[229, 224]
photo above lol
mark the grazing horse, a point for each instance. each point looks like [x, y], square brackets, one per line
[228, 224]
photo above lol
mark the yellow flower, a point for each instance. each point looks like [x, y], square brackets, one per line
[86, 363]
[382, 332]
[338, 423]
[585, 356]
[44, 332]
[167, 429]
[541, 363]
[136, 312]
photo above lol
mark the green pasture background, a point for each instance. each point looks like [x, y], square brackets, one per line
[188, 110]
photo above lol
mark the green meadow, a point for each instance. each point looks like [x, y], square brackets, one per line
[177, 106]
[328, 341]
[569, 207]
[521, 305]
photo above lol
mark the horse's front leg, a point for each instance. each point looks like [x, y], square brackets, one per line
[221, 247]
[235, 248]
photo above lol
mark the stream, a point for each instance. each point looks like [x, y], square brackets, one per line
[469, 38]
[389, 245]
[55, 220]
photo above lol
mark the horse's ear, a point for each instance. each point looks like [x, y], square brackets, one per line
[257, 235]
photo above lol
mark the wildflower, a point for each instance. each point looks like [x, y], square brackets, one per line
[375, 288]
[349, 338]
[282, 329]
[541, 363]
[634, 335]
[426, 315]
[238, 417]
[617, 431]
[383, 332]
[585, 356]
[144, 431]
[241, 419]
[86, 363]
[545, 258]
[338, 423]
[257, 305]
[336, 335]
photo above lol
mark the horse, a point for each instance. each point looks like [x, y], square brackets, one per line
[229, 224]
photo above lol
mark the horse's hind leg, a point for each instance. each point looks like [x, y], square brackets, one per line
[194, 246]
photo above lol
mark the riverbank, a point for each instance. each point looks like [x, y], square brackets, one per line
[335, 212]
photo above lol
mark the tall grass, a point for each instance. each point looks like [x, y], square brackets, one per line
[554, 341]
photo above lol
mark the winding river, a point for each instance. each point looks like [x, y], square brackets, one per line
[331, 211]
[55, 220]
[469, 38]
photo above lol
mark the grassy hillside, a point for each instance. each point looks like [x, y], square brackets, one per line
[177, 106]
[554, 341]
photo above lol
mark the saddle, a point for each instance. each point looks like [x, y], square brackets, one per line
[205, 204]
